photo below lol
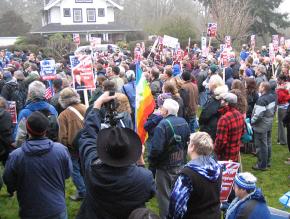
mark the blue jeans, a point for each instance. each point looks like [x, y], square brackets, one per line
[264, 148]
[202, 98]
[62, 215]
[77, 178]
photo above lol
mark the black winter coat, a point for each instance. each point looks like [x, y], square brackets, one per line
[112, 193]
[209, 117]
[5, 134]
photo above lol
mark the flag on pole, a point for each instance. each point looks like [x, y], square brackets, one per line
[48, 93]
[145, 103]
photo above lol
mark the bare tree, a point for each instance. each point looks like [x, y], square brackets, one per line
[233, 18]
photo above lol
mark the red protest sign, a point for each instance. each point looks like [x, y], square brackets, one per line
[211, 29]
[230, 170]
[82, 72]
[76, 38]
[12, 110]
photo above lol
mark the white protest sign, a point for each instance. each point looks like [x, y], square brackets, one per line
[170, 41]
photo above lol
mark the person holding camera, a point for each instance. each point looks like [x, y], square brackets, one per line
[168, 151]
[108, 160]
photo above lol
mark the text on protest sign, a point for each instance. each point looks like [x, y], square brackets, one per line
[82, 72]
[170, 41]
[47, 69]
[12, 110]
[229, 171]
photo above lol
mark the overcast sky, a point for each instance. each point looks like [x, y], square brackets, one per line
[285, 6]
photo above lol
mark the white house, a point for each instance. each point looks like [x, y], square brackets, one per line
[89, 18]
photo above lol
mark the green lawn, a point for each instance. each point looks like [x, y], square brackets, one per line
[274, 183]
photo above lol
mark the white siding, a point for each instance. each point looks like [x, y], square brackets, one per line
[110, 14]
[55, 15]
[84, 6]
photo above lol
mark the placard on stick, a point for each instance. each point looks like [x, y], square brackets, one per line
[230, 170]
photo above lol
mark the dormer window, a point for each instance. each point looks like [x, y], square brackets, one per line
[78, 16]
[101, 12]
[91, 15]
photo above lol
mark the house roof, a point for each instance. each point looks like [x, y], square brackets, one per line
[84, 28]
[52, 3]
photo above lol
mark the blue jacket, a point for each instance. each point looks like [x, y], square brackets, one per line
[244, 55]
[129, 90]
[37, 172]
[124, 188]
[167, 151]
[239, 208]
[20, 130]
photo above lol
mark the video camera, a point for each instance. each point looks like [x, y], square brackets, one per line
[111, 116]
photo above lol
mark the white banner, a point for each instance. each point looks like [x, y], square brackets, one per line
[170, 41]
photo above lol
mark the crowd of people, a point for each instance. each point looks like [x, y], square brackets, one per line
[57, 137]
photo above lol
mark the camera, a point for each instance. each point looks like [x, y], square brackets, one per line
[111, 116]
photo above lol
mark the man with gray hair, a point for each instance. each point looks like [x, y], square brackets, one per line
[35, 102]
[168, 152]
[260, 74]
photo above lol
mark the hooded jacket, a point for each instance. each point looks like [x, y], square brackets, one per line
[196, 190]
[37, 171]
[20, 130]
[112, 192]
[9, 88]
[251, 207]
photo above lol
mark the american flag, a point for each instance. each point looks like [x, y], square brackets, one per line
[48, 93]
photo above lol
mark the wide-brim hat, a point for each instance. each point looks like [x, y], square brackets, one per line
[118, 147]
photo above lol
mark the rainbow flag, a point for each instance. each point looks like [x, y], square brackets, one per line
[145, 103]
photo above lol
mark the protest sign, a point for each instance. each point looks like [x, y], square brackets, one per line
[287, 44]
[228, 42]
[76, 38]
[170, 41]
[229, 171]
[253, 41]
[12, 110]
[212, 29]
[47, 69]
[282, 41]
[275, 41]
[272, 52]
[82, 72]
[94, 41]
[204, 50]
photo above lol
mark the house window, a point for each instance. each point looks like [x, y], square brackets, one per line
[66, 12]
[101, 12]
[78, 17]
[91, 15]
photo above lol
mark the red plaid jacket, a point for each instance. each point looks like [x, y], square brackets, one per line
[230, 129]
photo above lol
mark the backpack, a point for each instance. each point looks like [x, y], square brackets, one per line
[52, 132]
[19, 96]
[248, 132]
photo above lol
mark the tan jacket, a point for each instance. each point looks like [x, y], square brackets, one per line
[70, 124]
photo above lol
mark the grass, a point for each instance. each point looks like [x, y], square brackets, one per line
[274, 183]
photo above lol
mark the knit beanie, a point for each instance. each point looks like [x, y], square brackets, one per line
[245, 181]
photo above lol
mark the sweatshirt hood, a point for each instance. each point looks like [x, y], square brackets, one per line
[205, 166]
[37, 147]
